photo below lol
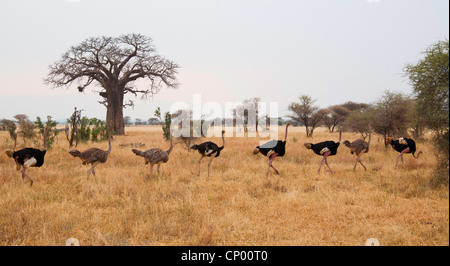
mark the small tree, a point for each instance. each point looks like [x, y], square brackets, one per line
[84, 132]
[305, 112]
[164, 124]
[390, 115]
[338, 115]
[26, 126]
[11, 127]
[99, 129]
[358, 122]
[127, 120]
[52, 132]
[72, 126]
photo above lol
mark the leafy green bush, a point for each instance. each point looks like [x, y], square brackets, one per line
[52, 132]
[84, 132]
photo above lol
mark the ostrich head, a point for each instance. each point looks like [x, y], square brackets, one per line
[285, 134]
[75, 153]
[347, 143]
[194, 147]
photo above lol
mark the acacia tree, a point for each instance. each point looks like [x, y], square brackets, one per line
[26, 126]
[429, 78]
[358, 121]
[114, 64]
[333, 116]
[11, 127]
[306, 113]
[390, 115]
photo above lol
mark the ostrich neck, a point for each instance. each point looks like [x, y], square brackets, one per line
[223, 140]
[285, 134]
[109, 143]
[171, 144]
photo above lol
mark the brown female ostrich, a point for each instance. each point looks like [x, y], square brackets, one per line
[29, 157]
[209, 149]
[155, 156]
[358, 147]
[93, 156]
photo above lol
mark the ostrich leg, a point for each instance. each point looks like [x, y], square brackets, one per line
[273, 158]
[25, 175]
[209, 164]
[199, 165]
[401, 156]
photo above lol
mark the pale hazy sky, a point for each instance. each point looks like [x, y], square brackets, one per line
[229, 50]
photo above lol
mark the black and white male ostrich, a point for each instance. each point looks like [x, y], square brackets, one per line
[403, 145]
[358, 147]
[29, 157]
[273, 149]
[325, 149]
[93, 156]
[209, 149]
[155, 156]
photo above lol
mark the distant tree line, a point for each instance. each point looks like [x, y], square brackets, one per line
[24, 127]
[138, 121]
[393, 114]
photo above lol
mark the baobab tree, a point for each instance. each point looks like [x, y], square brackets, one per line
[114, 64]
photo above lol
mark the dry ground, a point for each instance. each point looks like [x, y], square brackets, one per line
[237, 205]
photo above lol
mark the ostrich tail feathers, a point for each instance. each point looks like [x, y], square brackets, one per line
[137, 152]
[255, 151]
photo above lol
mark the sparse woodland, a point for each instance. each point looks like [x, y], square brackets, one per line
[238, 204]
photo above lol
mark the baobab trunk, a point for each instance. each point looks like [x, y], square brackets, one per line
[114, 112]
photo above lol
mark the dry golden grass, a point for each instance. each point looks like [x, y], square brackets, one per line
[237, 205]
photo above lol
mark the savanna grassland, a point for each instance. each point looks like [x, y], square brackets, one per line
[237, 205]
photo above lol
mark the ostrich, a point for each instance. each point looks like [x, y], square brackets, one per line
[325, 149]
[29, 157]
[403, 145]
[155, 156]
[273, 149]
[209, 149]
[93, 156]
[358, 147]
